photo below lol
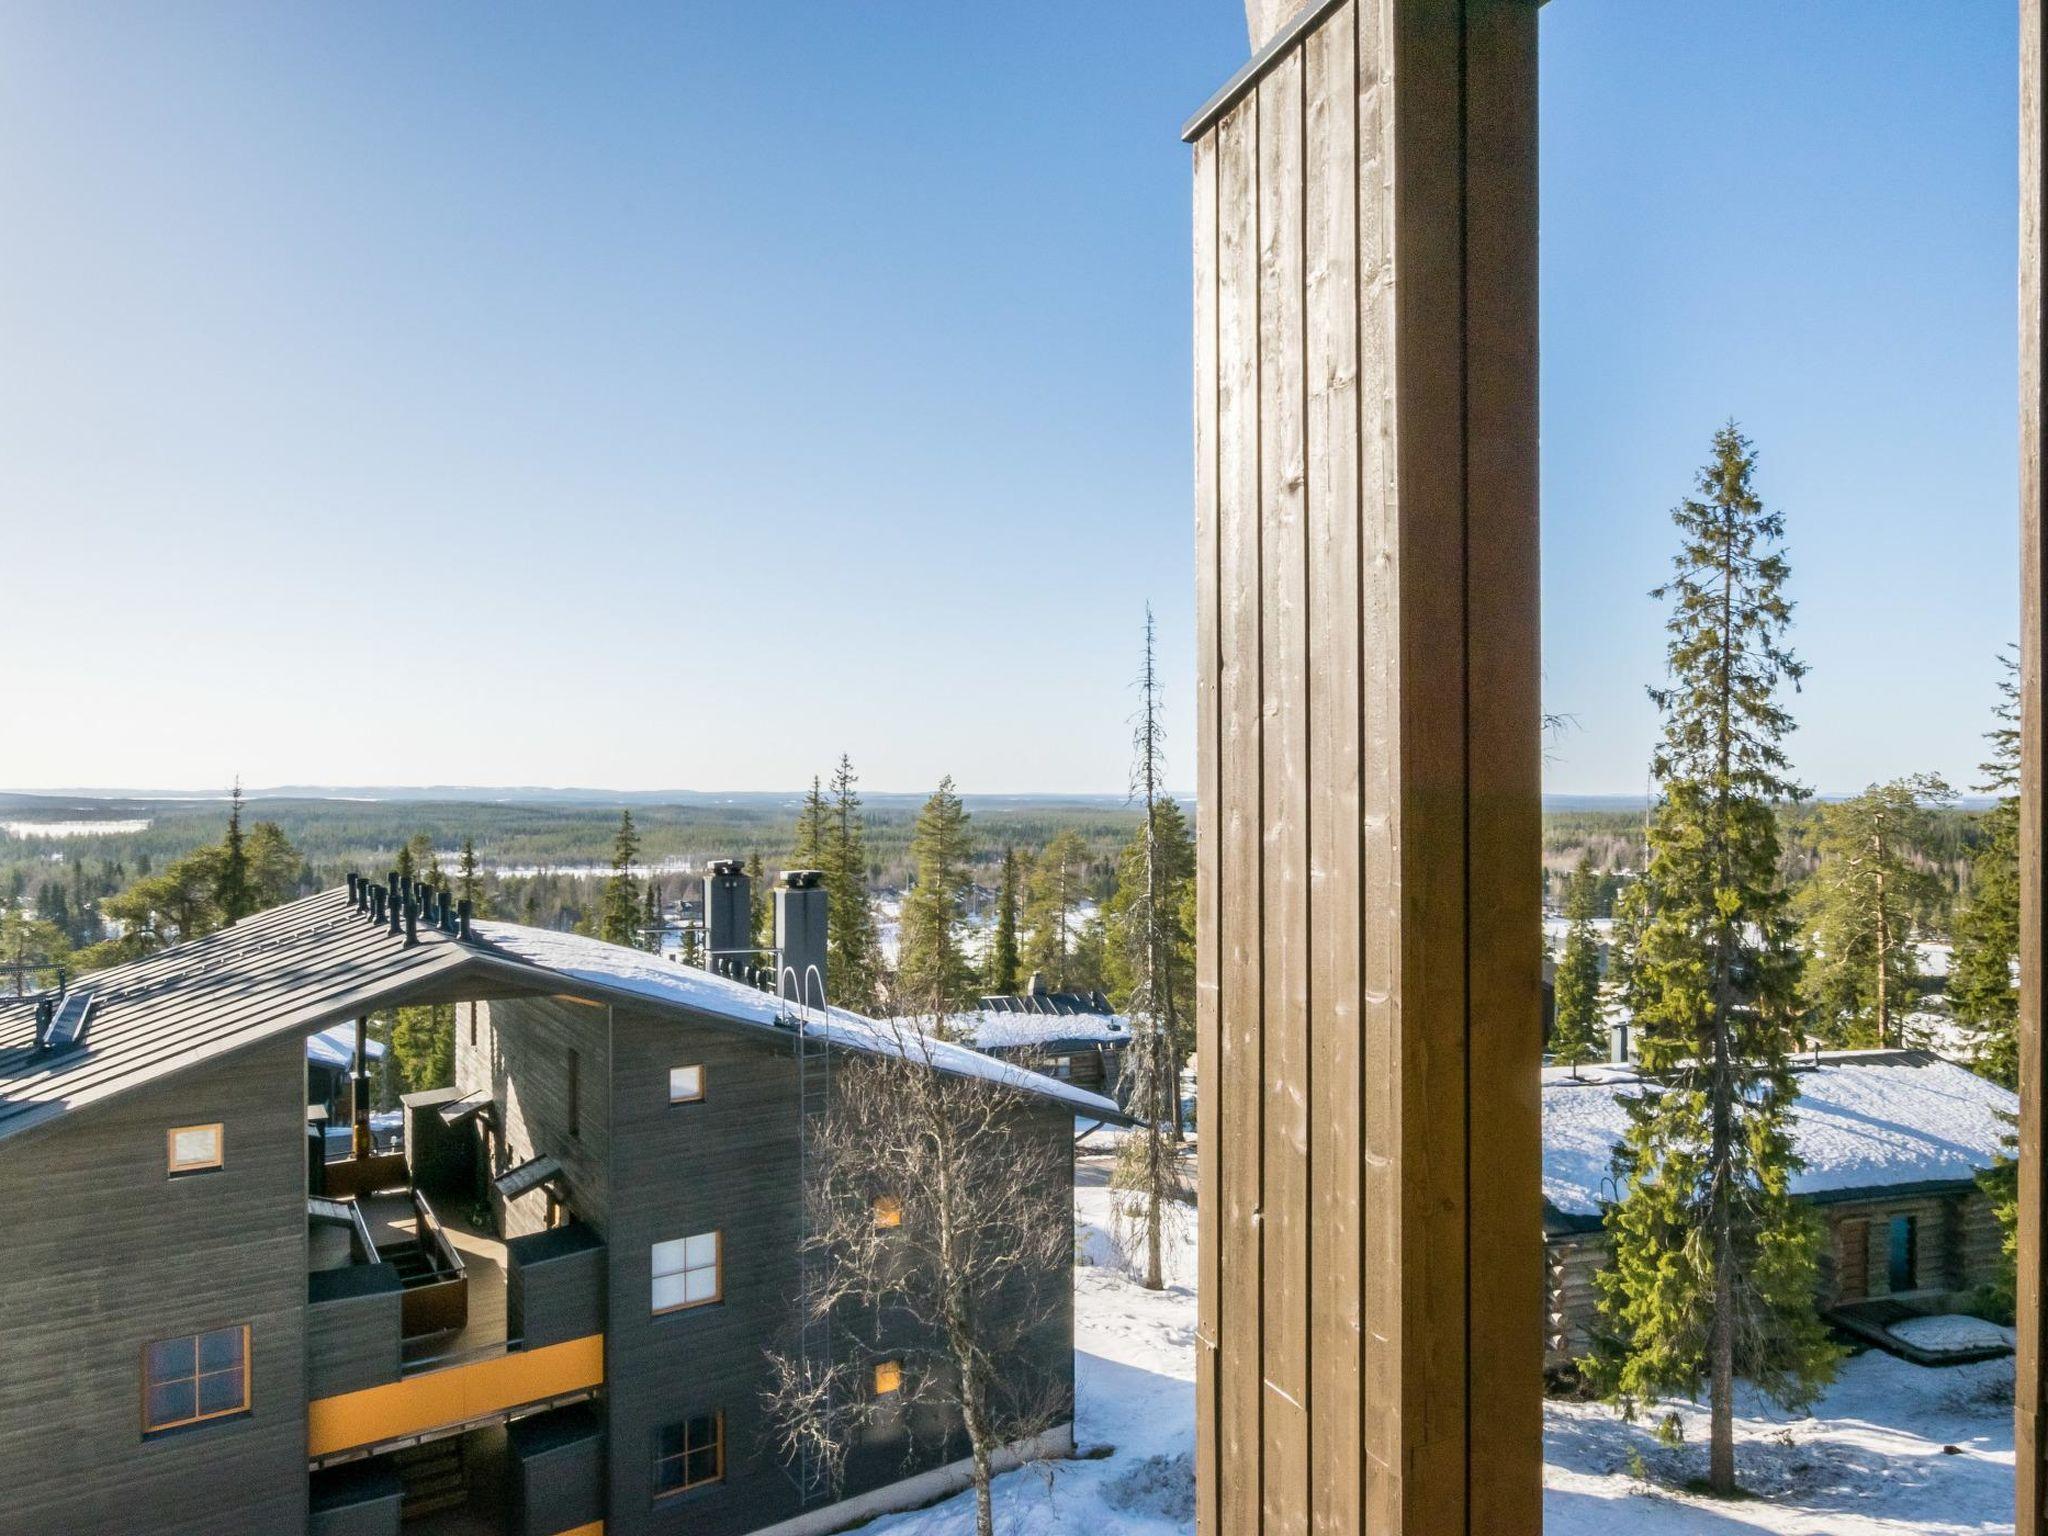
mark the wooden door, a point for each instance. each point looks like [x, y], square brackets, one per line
[1852, 1260]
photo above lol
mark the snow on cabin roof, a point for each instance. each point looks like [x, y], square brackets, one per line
[986, 1029]
[1863, 1120]
[617, 968]
[335, 1046]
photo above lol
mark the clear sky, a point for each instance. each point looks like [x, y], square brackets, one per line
[679, 395]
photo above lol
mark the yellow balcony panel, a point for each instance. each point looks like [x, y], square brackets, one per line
[436, 1399]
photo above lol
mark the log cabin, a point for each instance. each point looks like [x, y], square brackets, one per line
[549, 1313]
[1892, 1143]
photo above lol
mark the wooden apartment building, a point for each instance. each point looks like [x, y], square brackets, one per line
[547, 1314]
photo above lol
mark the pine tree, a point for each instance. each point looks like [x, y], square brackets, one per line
[1859, 906]
[852, 946]
[620, 914]
[1053, 894]
[1002, 977]
[1714, 1267]
[933, 974]
[276, 870]
[1575, 1034]
[232, 893]
[1148, 1178]
[1988, 929]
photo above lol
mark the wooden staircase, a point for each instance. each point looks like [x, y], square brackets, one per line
[431, 1478]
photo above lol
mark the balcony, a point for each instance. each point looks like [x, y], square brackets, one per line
[421, 1326]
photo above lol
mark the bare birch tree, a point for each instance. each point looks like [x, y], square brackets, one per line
[940, 1231]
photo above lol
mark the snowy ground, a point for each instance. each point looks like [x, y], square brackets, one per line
[1875, 1460]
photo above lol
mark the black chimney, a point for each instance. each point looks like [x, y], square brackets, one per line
[800, 924]
[728, 916]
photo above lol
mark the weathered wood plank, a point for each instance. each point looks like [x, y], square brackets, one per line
[1430, 795]
[1336, 1059]
[1503, 761]
[1283, 634]
[1379, 683]
[2031, 1392]
[1239, 1121]
[1208, 1058]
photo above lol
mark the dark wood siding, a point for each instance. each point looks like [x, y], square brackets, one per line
[104, 1254]
[1368, 971]
[530, 1053]
[730, 1164]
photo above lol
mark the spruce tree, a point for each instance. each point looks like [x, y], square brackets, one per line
[1987, 934]
[813, 822]
[1053, 893]
[852, 946]
[469, 883]
[761, 914]
[1575, 1032]
[1002, 975]
[232, 892]
[1714, 1267]
[619, 916]
[933, 974]
[1861, 969]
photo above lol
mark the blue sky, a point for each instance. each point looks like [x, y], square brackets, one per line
[677, 396]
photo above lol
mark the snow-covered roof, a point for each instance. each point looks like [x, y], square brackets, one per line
[635, 971]
[1863, 1120]
[335, 1046]
[989, 1029]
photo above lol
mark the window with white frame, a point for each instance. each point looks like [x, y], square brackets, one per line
[687, 1272]
[685, 1084]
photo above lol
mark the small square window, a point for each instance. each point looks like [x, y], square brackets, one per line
[685, 1085]
[888, 1377]
[689, 1454]
[198, 1377]
[1063, 1066]
[888, 1211]
[687, 1272]
[194, 1148]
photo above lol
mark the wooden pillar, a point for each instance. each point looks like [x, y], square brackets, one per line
[1369, 782]
[2031, 1387]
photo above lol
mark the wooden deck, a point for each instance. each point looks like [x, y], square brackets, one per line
[483, 1259]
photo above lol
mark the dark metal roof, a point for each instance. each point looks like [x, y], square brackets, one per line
[291, 969]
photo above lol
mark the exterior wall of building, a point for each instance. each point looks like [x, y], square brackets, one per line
[522, 1051]
[105, 1253]
[730, 1164]
[1958, 1250]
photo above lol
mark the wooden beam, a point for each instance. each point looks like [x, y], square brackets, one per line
[2030, 1395]
[1370, 787]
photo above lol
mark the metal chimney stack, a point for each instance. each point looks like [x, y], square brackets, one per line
[728, 916]
[801, 903]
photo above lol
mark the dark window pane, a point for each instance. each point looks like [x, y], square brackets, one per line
[221, 1392]
[668, 1440]
[170, 1359]
[221, 1350]
[170, 1403]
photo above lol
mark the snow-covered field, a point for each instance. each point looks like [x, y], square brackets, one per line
[1893, 1449]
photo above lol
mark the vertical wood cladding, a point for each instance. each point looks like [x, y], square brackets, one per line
[1368, 973]
[103, 1255]
[543, 1060]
